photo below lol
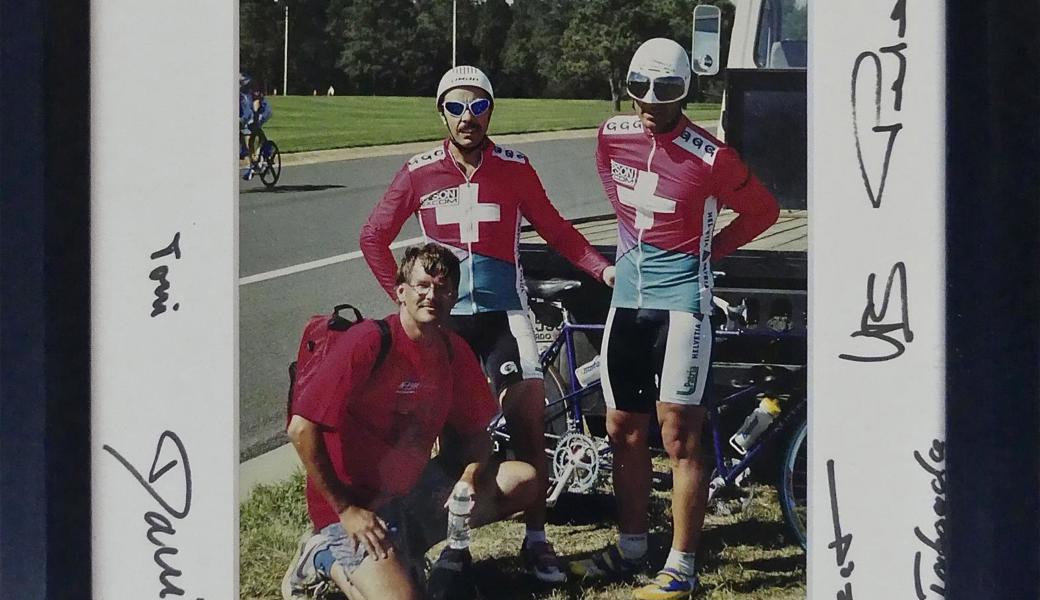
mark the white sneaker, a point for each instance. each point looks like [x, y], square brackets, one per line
[302, 577]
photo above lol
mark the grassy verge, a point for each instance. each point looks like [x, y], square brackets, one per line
[321, 122]
[743, 555]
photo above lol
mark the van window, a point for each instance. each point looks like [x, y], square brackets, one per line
[783, 35]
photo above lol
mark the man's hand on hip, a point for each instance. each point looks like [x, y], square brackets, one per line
[365, 527]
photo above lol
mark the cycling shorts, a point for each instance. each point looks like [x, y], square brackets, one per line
[504, 343]
[653, 355]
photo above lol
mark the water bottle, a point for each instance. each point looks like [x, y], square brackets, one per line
[588, 373]
[459, 506]
[757, 422]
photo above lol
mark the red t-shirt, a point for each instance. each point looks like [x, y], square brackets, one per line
[379, 430]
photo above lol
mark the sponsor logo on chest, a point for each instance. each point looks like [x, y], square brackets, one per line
[445, 197]
[624, 174]
[408, 388]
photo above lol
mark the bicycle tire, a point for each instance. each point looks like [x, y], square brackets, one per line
[793, 484]
[273, 165]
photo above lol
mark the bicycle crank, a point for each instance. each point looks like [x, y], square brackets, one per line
[575, 465]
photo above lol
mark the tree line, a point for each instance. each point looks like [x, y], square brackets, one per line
[529, 48]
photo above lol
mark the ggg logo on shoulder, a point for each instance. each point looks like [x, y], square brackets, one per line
[622, 125]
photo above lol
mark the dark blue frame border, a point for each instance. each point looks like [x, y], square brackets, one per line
[45, 550]
[993, 300]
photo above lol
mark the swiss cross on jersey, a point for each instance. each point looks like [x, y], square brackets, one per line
[642, 195]
[459, 205]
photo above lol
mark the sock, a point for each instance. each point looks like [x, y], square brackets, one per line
[534, 536]
[323, 562]
[632, 545]
[682, 562]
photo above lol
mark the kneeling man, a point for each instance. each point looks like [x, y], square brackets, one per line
[364, 429]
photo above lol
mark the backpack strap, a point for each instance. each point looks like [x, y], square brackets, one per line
[384, 343]
[447, 344]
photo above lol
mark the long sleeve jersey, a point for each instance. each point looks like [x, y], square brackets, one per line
[667, 190]
[479, 218]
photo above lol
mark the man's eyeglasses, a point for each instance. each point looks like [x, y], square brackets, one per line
[477, 107]
[666, 89]
[425, 289]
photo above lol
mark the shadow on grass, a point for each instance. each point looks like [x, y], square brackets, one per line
[583, 509]
[767, 535]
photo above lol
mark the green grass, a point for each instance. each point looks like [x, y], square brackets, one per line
[303, 123]
[743, 555]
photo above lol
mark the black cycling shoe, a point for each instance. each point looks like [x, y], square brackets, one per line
[451, 577]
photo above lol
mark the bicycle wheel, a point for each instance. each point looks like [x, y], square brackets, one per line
[272, 163]
[793, 486]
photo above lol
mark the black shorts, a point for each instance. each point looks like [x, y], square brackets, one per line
[653, 355]
[504, 343]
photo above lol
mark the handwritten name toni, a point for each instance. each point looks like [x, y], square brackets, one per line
[160, 275]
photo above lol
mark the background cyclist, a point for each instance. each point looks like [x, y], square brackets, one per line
[254, 111]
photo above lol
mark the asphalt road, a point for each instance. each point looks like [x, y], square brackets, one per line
[316, 212]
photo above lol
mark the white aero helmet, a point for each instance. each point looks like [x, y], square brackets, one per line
[659, 72]
[463, 76]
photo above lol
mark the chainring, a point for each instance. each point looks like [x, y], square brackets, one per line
[580, 452]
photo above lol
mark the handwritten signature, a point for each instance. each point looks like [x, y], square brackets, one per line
[873, 321]
[891, 130]
[160, 275]
[933, 466]
[842, 543]
[177, 473]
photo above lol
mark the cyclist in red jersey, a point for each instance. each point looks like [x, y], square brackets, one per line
[667, 180]
[364, 433]
[470, 194]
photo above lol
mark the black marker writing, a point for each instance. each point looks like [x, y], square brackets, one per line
[897, 83]
[899, 14]
[891, 130]
[933, 466]
[159, 274]
[177, 473]
[872, 322]
[842, 543]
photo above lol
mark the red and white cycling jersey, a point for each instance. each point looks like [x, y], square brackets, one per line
[479, 218]
[667, 190]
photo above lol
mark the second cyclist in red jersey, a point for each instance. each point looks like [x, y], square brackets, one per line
[470, 195]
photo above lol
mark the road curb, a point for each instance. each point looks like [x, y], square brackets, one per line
[320, 156]
[269, 468]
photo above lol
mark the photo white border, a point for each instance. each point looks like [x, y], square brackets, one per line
[164, 320]
[163, 163]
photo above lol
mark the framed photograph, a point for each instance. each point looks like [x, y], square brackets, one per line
[900, 460]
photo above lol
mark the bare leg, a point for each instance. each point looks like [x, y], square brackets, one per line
[385, 579]
[513, 488]
[628, 437]
[343, 582]
[523, 404]
[681, 434]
